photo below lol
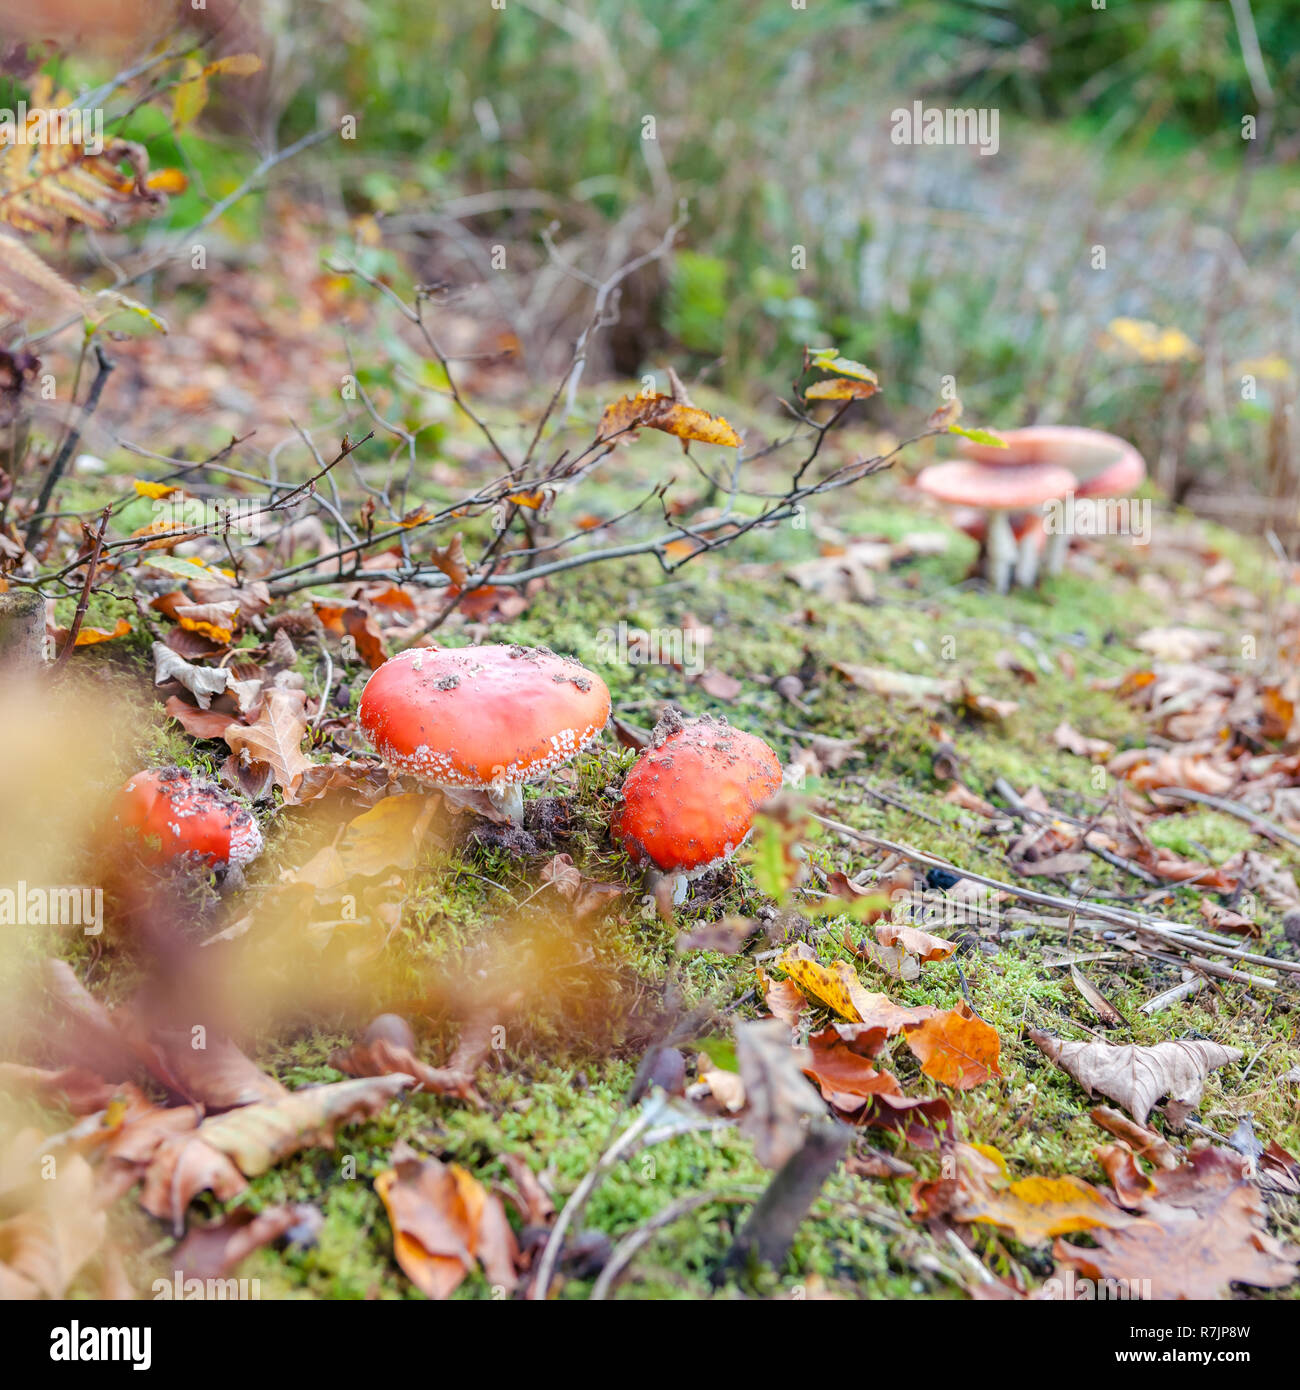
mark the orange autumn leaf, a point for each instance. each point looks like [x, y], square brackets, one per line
[445, 1222]
[354, 620]
[450, 559]
[658, 412]
[947, 414]
[840, 388]
[782, 997]
[956, 1047]
[90, 636]
[172, 181]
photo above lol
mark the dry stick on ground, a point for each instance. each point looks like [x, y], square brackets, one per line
[632, 1244]
[104, 367]
[578, 1201]
[1172, 933]
[1188, 938]
[1260, 824]
[92, 563]
[1026, 812]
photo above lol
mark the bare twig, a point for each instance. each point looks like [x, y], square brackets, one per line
[103, 368]
[92, 562]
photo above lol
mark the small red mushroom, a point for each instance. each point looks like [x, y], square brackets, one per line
[1000, 491]
[174, 813]
[689, 800]
[482, 718]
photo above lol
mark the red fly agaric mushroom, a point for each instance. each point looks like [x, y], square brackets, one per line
[1000, 491]
[689, 800]
[482, 718]
[174, 813]
[1103, 464]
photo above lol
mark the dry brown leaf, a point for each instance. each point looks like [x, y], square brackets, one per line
[586, 896]
[726, 936]
[216, 1075]
[783, 997]
[1071, 741]
[840, 389]
[1146, 1143]
[444, 1223]
[1136, 1076]
[199, 723]
[276, 739]
[720, 685]
[203, 682]
[914, 941]
[1219, 918]
[1203, 1228]
[384, 1058]
[214, 1251]
[840, 1062]
[48, 1243]
[258, 1136]
[1179, 644]
[925, 1121]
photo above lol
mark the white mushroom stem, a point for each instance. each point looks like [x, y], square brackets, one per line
[1002, 551]
[508, 798]
[1058, 547]
[680, 883]
[1027, 559]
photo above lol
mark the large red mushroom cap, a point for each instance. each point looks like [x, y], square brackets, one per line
[689, 800]
[185, 814]
[485, 718]
[1104, 464]
[966, 483]
[1124, 474]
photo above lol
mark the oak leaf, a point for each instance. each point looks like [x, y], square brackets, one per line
[1203, 1228]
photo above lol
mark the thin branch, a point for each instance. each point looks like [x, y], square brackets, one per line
[104, 368]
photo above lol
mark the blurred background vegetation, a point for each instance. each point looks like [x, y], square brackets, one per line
[1120, 128]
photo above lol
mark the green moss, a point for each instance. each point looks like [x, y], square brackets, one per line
[1202, 833]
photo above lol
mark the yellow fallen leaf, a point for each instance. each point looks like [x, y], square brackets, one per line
[154, 490]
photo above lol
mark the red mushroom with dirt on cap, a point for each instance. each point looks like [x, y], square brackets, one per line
[690, 799]
[483, 719]
[173, 813]
[1103, 464]
[1001, 492]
